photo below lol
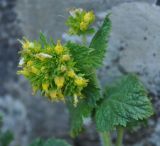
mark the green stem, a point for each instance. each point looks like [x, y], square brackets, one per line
[106, 139]
[120, 132]
[84, 40]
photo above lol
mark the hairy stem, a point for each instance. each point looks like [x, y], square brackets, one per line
[106, 139]
[120, 132]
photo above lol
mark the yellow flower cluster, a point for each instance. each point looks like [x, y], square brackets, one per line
[51, 69]
[88, 18]
[80, 21]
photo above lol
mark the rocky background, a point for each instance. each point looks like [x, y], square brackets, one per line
[134, 46]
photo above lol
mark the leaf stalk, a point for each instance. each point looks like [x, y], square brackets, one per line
[106, 139]
[120, 133]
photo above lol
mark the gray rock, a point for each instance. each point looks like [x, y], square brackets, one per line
[134, 45]
[15, 119]
[9, 45]
[46, 119]
[49, 16]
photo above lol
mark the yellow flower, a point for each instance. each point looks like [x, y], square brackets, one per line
[59, 48]
[56, 95]
[83, 26]
[65, 57]
[60, 96]
[24, 72]
[45, 86]
[26, 44]
[34, 70]
[30, 63]
[89, 17]
[53, 95]
[59, 81]
[75, 101]
[49, 50]
[71, 73]
[79, 81]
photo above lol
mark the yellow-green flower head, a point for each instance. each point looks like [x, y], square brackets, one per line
[26, 44]
[83, 26]
[51, 69]
[80, 22]
[65, 57]
[59, 81]
[79, 81]
[59, 48]
[71, 74]
[89, 17]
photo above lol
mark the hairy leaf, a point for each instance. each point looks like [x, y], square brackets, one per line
[81, 55]
[85, 107]
[77, 114]
[124, 102]
[99, 42]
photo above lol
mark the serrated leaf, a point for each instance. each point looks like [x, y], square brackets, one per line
[124, 102]
[77, 114]
[92, 91]
[49, 142]
[81, 55]
[85, 107]
[99, 42]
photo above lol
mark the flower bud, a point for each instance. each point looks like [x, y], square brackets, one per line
[59, 48]
[79, 81]
[83, 26]
[89, 17]
[65, 57]
[45, 86]
[71, 74]
[34, 70]
[59, 81]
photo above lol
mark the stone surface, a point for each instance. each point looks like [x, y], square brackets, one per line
[15, 119]
[134, 45]
[49, 16]
[9, 46]
[46, 119]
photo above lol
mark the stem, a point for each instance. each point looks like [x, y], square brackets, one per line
[106, 139]
[84, 40]
[120, 132]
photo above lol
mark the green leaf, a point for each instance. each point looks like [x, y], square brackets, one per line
[43, 39]
[37, 142]
[99, 42]
[6, 138]
[124, 102]
[92, 91]
[77, 114]
[49, 142]
[85, 106]
[81, 55]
